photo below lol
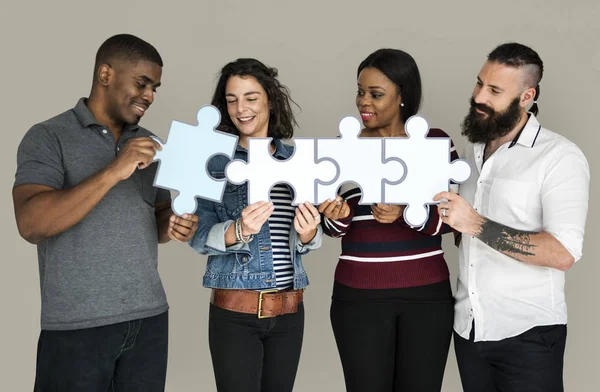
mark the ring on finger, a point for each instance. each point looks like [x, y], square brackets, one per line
[444, 212]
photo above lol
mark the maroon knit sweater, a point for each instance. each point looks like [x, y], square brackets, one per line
[394, 255]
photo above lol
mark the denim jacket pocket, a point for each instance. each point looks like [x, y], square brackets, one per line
[234, 201]
[238, 263]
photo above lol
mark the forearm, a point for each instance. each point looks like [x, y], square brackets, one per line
[307, 237]
[230, 235]
[536, 248]
[335, 229]
[42, 212]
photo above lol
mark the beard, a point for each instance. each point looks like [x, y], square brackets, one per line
[479, 128]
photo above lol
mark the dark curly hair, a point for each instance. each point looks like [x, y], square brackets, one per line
[281, 117]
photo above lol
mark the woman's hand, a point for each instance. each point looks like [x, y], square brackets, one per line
[386, 213]
[335, 209]
[306, 221]
[254, 216]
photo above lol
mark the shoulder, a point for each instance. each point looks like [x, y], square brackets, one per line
[50, 131]
[557, 147]
[57, 124]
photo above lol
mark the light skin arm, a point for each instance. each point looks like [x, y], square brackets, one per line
[255, 215]
[42, 212]
[531, 247]
[305, 222]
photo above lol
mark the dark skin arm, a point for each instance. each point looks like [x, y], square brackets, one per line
[387, 213]
[42, 212]
[173, 227]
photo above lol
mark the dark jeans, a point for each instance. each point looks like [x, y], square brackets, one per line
[393, 339]
[255, 355]
[529, 362]
[129, 356]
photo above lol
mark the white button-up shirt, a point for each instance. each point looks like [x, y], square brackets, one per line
[538, 182]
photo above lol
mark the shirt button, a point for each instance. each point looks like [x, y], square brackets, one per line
[104, 131]
[245, 258]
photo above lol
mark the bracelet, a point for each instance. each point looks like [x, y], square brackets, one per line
[239, 237]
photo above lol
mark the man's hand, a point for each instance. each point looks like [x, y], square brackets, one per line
[182, 228]
[335, 209]
[138, 153]
[387, 213]
[458, 213]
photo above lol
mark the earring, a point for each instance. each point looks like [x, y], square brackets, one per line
[402, 104]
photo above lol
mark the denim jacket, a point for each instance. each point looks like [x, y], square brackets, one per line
[243, 266]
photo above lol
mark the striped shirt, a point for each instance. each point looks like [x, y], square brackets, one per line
[388, 255]
[280, 222]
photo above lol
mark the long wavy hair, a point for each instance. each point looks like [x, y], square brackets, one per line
[281, 117]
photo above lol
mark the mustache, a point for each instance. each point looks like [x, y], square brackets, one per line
[480, 106]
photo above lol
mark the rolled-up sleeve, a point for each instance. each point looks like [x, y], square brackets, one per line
[313, 244]
[565, 197]
[210, 236]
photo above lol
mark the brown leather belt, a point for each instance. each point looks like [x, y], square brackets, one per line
[266, 303]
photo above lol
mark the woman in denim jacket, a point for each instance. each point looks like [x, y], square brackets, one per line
[256, 319]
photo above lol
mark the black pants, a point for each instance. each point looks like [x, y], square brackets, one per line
[393, 339]
[529, 362]
[255, 355]
[128, 357]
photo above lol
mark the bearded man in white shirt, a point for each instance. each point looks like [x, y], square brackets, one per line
[522, 216]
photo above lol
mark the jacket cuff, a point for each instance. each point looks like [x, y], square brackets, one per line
[216, 240]
[313, 244]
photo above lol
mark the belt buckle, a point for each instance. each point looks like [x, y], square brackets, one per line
[260, 300]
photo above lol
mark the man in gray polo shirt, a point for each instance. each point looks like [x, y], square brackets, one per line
[84, 194]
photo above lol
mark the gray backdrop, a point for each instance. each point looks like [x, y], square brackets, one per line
[48, 51]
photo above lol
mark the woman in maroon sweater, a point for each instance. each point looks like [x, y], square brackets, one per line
[392, 307]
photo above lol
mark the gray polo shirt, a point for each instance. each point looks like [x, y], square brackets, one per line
[103, 270]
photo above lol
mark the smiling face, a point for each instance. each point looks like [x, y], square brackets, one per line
[247, 106]
[131, 90]
[377, 100]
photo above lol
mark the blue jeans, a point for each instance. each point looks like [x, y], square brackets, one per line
[129, 356]
[529, 362]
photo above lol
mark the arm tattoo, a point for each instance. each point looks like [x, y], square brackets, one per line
[506, 239]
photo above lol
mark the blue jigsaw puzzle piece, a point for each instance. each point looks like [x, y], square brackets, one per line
[184, 156]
